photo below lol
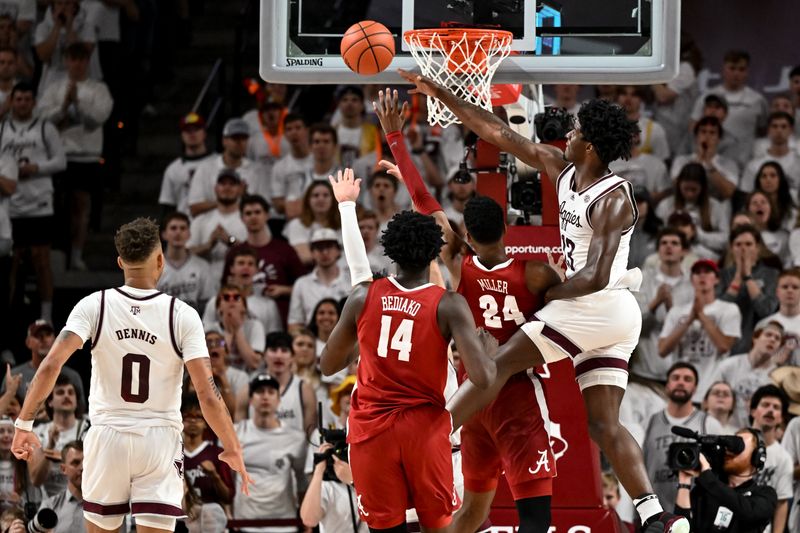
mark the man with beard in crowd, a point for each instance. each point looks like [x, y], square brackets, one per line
[682, 382]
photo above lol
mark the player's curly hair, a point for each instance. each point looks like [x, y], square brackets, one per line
[608, 128]
[484, 220]
[136, 240]
[412, 240]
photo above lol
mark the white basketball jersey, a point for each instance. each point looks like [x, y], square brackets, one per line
[140, 340]
[290, 410]
[576, 227]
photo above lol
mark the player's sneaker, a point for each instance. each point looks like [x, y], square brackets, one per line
[668, 523]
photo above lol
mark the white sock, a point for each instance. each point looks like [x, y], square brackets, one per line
[47, 311]
[647, 506]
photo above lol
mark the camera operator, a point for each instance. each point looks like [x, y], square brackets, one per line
[68, 504]
[739, 505]
[331, 503]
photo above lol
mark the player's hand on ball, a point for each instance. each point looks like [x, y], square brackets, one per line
[390, 112]
[391, 169]
[424, 85]
[23, 444]
[345, 186]
[236, 462]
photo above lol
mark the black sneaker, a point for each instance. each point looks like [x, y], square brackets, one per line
[668, 523]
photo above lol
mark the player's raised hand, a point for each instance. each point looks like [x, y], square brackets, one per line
[390, 112]
[345, 186]
[424, 85]
[391, 169]
[23, 444]
[236, 462]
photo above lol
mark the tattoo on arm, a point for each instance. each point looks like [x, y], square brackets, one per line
[510, 135]
[211, 381]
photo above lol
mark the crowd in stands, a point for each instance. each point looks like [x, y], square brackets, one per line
[252, 240]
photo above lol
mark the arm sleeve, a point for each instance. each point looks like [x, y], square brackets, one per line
[58, 159]
[82, 320]
[189, 332]
[424, 202]
[354, 250]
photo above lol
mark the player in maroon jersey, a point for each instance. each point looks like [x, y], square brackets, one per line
[510, 434]
[398, 426]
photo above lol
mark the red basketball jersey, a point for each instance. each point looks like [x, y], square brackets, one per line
[498, 297]
[403, 356]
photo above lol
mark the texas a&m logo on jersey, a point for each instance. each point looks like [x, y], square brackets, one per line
[135, 310]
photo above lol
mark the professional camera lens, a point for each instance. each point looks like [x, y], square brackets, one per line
[686, 458]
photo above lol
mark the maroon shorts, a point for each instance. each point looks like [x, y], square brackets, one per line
[408, 465]
[510, 435]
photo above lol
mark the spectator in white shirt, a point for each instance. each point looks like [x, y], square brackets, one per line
[327, 280]
[78, 107]
[780, 103]
[382, 193]
[771, 181]
[65, 22]
[370, 231]
[213, 232]
[235, 136]
[36, 146]
[645, 170]
[776, 239]
[780, 127]
[787, 315]
[268, 141]
[174, 195]
[244, 336]
[747, 107]
[319, 211]
[723, 173]
[324, 162]
[185, 276]
[720, 402]
[652, 137]
[289, 173]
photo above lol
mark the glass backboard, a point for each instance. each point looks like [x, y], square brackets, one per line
[565, 41]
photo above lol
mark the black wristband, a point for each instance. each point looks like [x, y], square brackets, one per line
[684, 486]
[747, 278]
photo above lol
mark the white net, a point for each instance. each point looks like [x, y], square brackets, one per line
[463, 60]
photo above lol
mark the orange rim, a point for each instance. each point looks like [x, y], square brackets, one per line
[449, 35]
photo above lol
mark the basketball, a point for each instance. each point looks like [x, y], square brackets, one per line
[367, 47]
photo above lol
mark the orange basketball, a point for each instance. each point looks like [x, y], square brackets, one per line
[367, 47]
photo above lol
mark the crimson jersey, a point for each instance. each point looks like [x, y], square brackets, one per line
[197, 477]
[498, 297]
[403, 360]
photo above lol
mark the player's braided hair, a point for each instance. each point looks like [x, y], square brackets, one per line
[136, 240]
[484, 220]
[608, 128]
[412, 240]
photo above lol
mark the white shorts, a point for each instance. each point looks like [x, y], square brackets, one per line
[127, 472]
[598, 332]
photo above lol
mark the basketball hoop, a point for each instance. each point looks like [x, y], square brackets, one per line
[463, 60]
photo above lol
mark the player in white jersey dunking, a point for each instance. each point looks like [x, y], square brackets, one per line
[141, 339]
[592, 317]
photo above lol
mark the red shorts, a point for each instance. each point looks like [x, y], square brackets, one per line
[510, 435]
[408, 465]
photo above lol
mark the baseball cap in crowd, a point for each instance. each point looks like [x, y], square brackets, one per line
[324, 235]
[705, 264]
[192, 120]
[235, 126]
[40, 327]
[345, 387]
[788, 379]
[716, 100]
[263, 380]
[229, 173]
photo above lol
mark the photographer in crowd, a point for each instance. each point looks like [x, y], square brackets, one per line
[730, 500]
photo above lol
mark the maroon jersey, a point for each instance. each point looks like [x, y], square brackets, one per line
[403, 356]
[498, 297]
[197, 477]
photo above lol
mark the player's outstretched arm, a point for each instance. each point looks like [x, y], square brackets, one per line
[345, 189]
[610, 216]
[491, 128]
[475, 346]
[339, 350]
[40, 387]
[216, 414]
